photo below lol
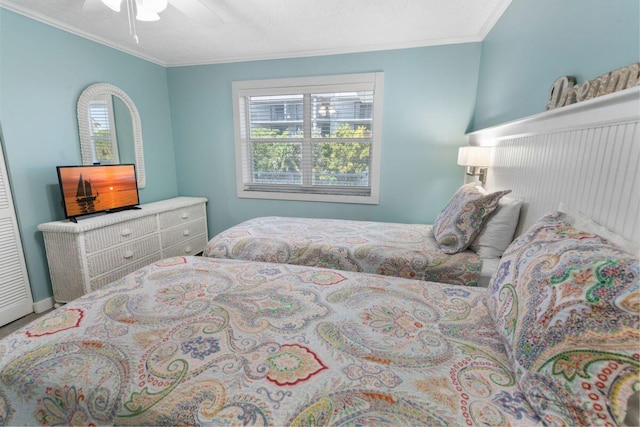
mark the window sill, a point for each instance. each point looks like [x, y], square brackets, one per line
[306, 197]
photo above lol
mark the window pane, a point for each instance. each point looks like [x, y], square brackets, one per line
[103, 150]
[341, 115]
[276, 116]
[99, 119]
[341, 163]
[277, 163]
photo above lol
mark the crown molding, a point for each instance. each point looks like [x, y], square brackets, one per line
[494, 16]
[66, 28]
[334, 51]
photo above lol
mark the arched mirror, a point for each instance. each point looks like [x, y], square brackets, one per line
[110, 128]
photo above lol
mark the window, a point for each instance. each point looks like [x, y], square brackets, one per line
[104, 144]
[314, 138]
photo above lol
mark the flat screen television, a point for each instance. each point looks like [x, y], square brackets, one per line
[98, 188]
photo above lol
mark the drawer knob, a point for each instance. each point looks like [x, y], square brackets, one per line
[184, 215]
[187, 249]
[186, 232]
[125, 232]
[128, 255]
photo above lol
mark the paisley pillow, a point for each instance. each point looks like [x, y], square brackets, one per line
[462, 219]
[567, 304]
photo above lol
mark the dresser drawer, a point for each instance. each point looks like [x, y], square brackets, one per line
[190, 247]
[183, 232]
[116, 234]
[181, 216]
[102, 281]
[111, 259]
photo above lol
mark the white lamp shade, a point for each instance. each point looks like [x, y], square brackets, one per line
[144, 14]
[474, 156]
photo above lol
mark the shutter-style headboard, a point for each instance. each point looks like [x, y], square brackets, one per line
[586, 155]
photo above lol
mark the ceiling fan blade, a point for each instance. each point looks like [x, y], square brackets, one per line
[92, 6]
[198, 11]
[101, 5]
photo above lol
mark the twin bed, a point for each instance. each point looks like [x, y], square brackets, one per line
[202, 340]
[462, 247]
[401, 250]
[210, 341]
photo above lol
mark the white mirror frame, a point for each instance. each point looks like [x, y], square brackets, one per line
[86, 150]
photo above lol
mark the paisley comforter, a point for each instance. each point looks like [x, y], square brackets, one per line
[211, 341]
[390, 249]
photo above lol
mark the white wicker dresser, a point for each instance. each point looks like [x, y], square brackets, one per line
[98, 250]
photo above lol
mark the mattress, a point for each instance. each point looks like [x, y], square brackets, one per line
[210, 341]
[391, 249]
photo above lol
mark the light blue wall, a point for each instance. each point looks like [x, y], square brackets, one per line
[42, 73]
[428, 102]
[430, 96]
[537, 41]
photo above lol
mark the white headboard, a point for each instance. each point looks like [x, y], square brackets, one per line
[586, 155]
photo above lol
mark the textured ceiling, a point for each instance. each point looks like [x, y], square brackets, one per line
[216, 31]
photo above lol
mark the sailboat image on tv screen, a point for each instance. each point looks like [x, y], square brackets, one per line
[85, 196]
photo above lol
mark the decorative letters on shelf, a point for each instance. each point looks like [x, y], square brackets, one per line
[564, 91]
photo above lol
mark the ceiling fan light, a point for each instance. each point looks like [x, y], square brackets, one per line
[144, 14]
[112, 4]
[156, 6]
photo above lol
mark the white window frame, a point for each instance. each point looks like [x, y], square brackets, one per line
[288, 86]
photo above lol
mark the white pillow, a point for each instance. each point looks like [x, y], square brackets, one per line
[581, 222]
[497, 233]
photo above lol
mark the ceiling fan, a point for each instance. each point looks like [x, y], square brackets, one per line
[199, 11]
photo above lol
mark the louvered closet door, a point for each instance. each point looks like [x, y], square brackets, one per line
[15, 292]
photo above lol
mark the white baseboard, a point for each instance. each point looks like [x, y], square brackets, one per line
[43, 305]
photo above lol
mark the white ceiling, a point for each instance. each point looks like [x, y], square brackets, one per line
[242, 30]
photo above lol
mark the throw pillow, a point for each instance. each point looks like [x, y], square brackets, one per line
[462, 219]
[566, 303]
